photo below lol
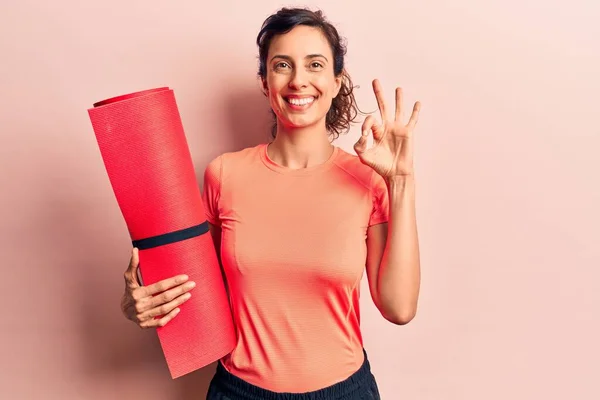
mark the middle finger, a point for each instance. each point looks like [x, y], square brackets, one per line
[171, 294]
[164, 309]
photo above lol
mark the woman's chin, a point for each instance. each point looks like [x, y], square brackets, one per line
[301, 123]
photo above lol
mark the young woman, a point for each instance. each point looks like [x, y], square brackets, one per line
[297, 220]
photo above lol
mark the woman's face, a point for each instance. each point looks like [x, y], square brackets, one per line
[300, 82]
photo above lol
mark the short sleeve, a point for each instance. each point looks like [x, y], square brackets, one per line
[211, 191]
[380, 200]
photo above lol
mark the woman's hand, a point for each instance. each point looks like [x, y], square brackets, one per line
[392, 152]
[143, 304]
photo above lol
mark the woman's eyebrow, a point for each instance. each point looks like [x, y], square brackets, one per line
[290, 58]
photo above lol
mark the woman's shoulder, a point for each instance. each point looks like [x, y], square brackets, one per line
[351, 165]
[235, 159]
[238, 156]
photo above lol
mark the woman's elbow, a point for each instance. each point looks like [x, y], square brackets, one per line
[400, 317]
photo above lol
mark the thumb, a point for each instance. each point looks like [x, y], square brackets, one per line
[361, 145]
[131, 276]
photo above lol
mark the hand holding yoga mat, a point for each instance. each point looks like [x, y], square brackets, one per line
[145, 152]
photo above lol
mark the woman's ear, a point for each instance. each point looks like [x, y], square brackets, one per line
[338, 85]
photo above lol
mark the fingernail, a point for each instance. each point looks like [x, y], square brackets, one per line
[177, 311]
[187, 296]
[191, 284]
[183, 278]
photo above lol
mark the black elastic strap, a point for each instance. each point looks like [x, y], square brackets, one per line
[171, 237]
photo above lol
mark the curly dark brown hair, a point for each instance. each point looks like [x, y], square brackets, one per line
[343, 110]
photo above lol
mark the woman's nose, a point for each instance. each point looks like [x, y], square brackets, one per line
[299, 79]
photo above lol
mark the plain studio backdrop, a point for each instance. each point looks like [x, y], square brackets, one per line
[507, 176]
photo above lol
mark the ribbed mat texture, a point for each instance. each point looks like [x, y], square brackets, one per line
[146, 155]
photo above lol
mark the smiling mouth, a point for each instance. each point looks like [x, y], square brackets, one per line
[300, 101]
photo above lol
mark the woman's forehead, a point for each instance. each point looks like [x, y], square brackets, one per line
[301, 42]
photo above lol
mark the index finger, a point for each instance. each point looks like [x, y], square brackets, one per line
[380, 101]
[163, 285]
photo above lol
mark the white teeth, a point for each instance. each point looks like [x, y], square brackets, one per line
[302, 101]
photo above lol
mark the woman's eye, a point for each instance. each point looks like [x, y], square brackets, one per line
[282, 64]
[316, 65]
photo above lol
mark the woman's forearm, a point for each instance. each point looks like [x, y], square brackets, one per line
[399, 274]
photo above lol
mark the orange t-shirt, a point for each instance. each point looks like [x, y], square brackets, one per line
[293, 249]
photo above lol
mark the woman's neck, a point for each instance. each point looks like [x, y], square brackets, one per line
[300, 148]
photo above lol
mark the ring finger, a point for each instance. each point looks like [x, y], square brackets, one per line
[162, 321]
[164, 309]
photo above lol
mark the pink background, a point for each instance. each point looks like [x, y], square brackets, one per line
[507, 171]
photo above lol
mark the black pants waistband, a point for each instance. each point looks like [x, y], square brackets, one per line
[360, 385]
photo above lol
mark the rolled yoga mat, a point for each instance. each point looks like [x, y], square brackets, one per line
[145, 152]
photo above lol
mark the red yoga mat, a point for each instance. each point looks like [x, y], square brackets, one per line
[145, 152]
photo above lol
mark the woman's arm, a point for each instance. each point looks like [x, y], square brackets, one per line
[393, 262]
[215, 232]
